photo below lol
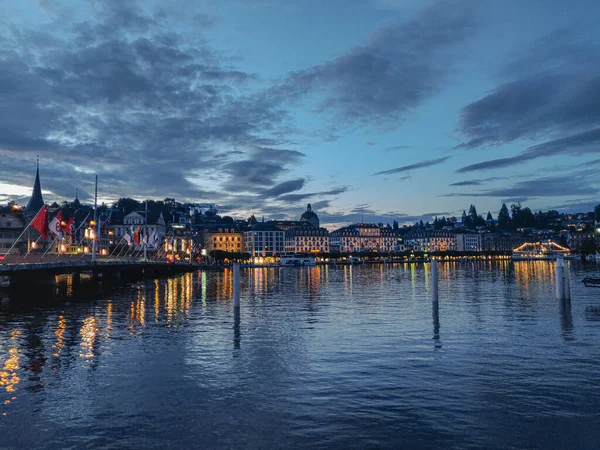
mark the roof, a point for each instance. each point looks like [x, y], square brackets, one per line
[36, 201]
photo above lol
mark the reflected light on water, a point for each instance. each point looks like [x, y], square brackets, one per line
[9, 377]
[88, 333]
[60, 331]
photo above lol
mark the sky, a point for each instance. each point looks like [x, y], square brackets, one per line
[374, 110]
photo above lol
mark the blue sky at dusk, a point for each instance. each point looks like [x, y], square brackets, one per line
[382, 109]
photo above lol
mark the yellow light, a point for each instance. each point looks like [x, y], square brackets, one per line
[92, 222]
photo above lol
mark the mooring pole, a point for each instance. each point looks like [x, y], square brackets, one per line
[95, 221]
[434, 281]
[236, 285]
[563, 279]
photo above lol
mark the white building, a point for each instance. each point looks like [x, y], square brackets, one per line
[363, 237]
[307, 239]
[468, 242]
[120, 225]
[264, 239]
[430, 241]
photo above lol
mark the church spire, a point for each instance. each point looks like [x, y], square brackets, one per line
[36, 201]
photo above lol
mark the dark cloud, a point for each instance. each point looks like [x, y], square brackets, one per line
[336, 219]
[574, 184]
[393, 72]
[292, 198]
[577, 144]
[284, 188]
[548, 92]
[129, 100]
[419, 165]
[467, 183]
[370, 144]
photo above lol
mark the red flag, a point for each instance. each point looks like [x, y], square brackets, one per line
[40, 222]
[136, 236]
[70, 226]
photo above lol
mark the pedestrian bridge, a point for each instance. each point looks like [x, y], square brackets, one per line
[44, 268]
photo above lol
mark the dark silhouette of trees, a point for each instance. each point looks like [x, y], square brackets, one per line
[503, 218]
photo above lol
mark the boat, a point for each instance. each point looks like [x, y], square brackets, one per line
[591, 282]
[544, 251]
[297, 261]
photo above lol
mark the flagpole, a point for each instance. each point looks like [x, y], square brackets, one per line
[146, 233]
[95, 220]
[23, 232]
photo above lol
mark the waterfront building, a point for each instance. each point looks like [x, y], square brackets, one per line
[502, 242]
[227, 239]
[263, 239]
[577, 239]
[362, 237]
[468, 242]
[307, 239]
[12, 224]
[122, 224]
[430, 241]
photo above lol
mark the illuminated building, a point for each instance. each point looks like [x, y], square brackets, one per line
[263, 239]
[468, 242]
[307, 239]
[222, 238]
[430, 241]
[502, 242]
[12, 223]
[362, 237]
[121, 224]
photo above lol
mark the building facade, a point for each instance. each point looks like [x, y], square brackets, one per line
[502, 242]
[122, 227]
[430, 241]
[468, 242]
[12, 224]
[362, 237]
[263, 239]
[307, 239]
[227, 239]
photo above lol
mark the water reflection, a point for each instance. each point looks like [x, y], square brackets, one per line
[435, 307]
[566, 320]
[9, 377]
[88, 332]
[237, 335]
[343, 370]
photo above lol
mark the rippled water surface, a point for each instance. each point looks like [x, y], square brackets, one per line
[324, 357]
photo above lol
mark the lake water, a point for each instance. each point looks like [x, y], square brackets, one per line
[324, 357]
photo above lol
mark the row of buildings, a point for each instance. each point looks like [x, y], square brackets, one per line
[179, 234]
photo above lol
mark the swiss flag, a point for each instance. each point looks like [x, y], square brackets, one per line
[55, 224]
[40, 222]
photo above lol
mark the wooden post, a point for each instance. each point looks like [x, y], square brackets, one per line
[236, 285]
[434, 281]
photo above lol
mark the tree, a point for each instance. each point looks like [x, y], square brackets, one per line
[464, 218]
[473, 214]
[597, 213]
[395, 225]
[503, 217]
[588, 247]
[489, 217]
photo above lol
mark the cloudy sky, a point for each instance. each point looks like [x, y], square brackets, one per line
[387, 109]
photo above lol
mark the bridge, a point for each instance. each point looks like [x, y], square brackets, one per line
[44, 269]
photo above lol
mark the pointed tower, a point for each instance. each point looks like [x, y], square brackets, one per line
[36, 201]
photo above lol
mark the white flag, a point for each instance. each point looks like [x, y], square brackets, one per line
[55, 226]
